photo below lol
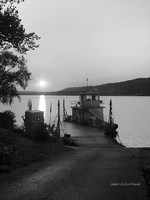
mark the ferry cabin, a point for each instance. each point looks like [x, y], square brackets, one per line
[88, 111]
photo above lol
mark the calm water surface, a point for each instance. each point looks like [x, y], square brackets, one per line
[131, 113]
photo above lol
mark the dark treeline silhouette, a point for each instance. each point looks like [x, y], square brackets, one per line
[139, 87]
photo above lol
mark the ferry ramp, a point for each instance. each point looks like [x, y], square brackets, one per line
[89, 137]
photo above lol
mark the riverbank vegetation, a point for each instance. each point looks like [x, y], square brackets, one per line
[17, 150]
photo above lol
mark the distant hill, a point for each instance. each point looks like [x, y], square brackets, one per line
[135, 87]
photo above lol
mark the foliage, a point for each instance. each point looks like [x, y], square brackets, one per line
[7, 120]
[13, 72]
[14, 43]
[12, 32]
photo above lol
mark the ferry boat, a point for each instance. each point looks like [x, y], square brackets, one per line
[89, 111]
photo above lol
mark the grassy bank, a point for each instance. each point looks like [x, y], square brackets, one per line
[145, 165]
[17, 151]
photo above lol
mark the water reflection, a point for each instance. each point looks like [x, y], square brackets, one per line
[42, 103]
[131, 113]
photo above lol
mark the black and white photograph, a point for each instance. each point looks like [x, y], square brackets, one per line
[74, 99]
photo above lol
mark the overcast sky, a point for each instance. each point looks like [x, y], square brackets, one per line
[102, 40]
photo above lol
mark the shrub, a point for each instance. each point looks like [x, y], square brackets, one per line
[7, 120]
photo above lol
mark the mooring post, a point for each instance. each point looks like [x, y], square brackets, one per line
[58, 123]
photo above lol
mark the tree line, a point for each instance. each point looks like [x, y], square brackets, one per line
[139, 87]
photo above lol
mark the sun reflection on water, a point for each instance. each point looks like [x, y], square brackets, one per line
[42, 103]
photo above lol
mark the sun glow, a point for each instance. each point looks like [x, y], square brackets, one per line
[42, 83]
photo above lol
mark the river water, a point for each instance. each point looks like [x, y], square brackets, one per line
[132, 114]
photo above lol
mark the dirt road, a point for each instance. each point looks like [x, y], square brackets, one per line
[92, 171]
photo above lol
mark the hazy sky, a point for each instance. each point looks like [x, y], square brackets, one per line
[102, 40]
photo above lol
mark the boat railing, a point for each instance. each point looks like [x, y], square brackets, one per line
[73, 103]
[105, 118]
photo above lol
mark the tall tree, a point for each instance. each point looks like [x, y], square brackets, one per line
[14, 44]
